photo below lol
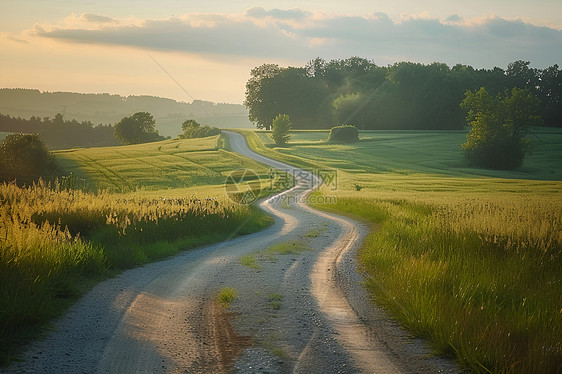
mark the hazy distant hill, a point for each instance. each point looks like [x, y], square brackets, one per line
[109, 109]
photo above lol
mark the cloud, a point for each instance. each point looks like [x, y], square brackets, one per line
[422, 15]
[295, 34]
[256, 12]
[94, 18]
[216, 35]
[14, 38]
[280, 14]
[454, 18]
[39, 30]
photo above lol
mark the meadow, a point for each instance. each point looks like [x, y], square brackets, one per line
[431, 152]
[199, 164]
[467, 258]
[141, 203]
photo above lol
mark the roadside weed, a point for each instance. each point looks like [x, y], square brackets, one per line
[226, 296]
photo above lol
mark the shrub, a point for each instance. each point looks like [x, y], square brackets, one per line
[280, 130]
[226, 296]
[499, 153]
[192, 129]
[344, 134]
[25, 158]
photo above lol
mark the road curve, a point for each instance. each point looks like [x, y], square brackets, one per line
[297, 312]
[368, 354]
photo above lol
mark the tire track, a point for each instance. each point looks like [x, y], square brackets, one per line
[161, 318]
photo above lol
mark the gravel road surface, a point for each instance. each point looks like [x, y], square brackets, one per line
[301, 311]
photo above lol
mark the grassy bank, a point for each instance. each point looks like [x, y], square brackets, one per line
[469, 259]
[479, 276]
[56, 243]
[262, 143]
[167, 165]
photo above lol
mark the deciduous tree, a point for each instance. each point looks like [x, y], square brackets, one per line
[259, 100]
[499, 124]
[138, 128]
[25, 157]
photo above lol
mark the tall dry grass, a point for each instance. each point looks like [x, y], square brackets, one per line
[478, 275]
[54, 243]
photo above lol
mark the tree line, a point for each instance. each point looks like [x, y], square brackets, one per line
[110, 109]
[25, 155]
[58, 133]
[141, 128]
[404, 95]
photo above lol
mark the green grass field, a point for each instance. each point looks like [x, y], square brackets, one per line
[200, 165]
[434, 152]
[467, 258]
[142, 203]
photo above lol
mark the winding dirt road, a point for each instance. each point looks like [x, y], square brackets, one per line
[302, 311]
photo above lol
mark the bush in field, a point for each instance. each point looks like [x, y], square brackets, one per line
[280, 127]
[499, 125]
[192, 129]
[24, 157]
[344, 134]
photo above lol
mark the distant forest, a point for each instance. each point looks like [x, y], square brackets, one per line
[58, 133]
[110, 109]
[405, 95]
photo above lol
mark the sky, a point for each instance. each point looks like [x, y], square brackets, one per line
[184, 49]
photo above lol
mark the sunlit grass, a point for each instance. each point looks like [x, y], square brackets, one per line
[226, 296]
[250, 261]
[271, 254]
[55, 243]
[275, 299]
[165, 165]
[312, 234]
[467, 258]
[287, 248]
[480, 279]
[414, 152]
